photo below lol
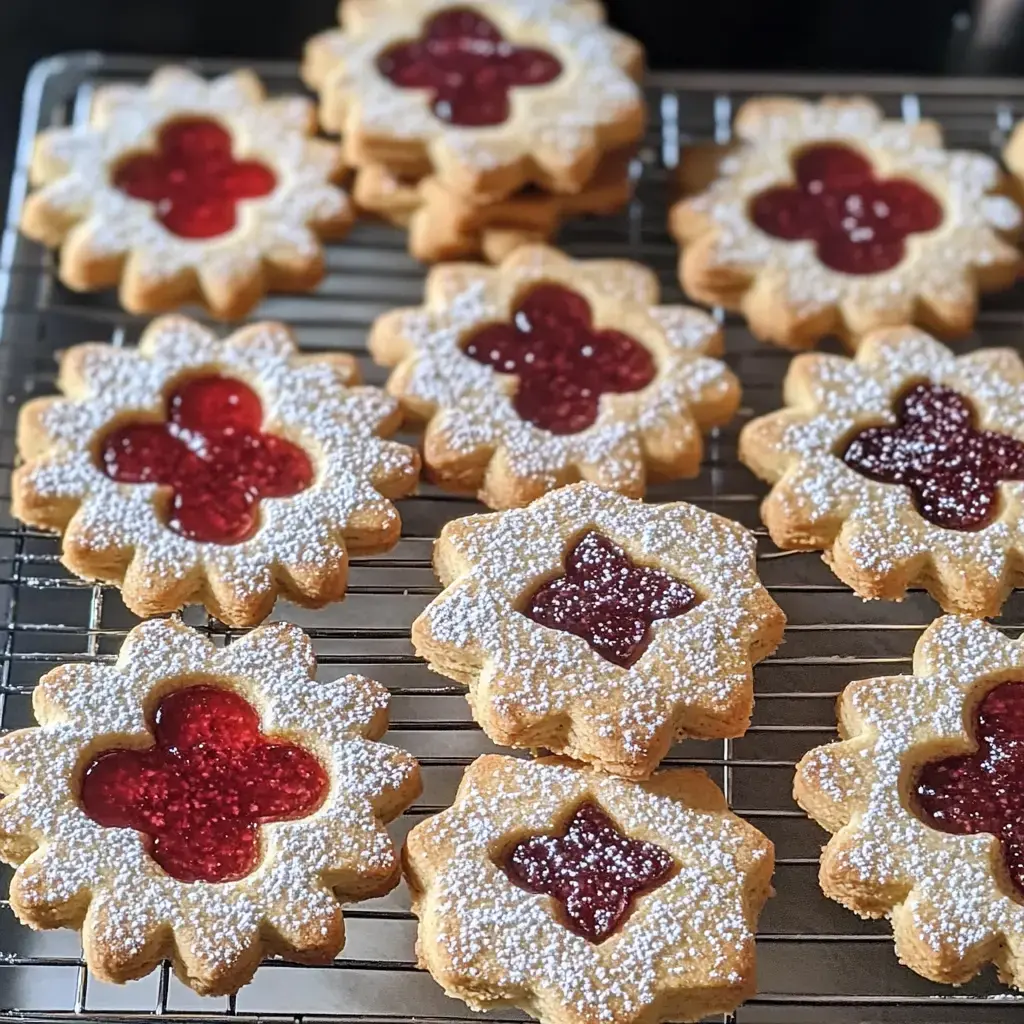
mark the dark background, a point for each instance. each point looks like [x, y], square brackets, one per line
[911, 36]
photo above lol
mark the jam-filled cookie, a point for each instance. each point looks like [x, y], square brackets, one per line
[826, 218]
[489, 97]
[220, 472]
[183, 189]
[579, 897]
[925, 797]
[545, 370]
[904, 465]
[208, 804]
[600, 627]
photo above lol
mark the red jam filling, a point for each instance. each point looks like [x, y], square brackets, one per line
[468, 66]
[200, 793]
[858, 221]
[563, 364]
[953, 470]
[213, 455]
[193, 179]
[984, 791]
[608, 600]
[592, 870]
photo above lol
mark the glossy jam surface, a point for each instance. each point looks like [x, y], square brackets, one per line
[952, 469]
[468, 66]
[858, 221]
[563, 364]
[200, 793]
[608, 600]
[592, 870]
[193, 179]
[983, 791]
[212, 452]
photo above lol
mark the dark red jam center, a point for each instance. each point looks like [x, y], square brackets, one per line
[213, 454]
[563, 364]
[200, 793]
[592, 870]
[952, 469]
[608, 600]
[858, 221]
[193, 179]
[984, 791]
[468, 66]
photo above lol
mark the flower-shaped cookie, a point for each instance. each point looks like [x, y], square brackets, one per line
[600, 627]
[490, 97]
[904, 464]
[183, 189]
[828, 219]
[209, 804]
[579, 897]
[192, 469]
[924, 794]
[546, 370]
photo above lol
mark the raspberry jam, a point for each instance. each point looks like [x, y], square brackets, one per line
[608, 600]
[953, 470]
[592, 870]
[200, 793]
[983, 791]
[858, 221]
[213, 455]
[468, 67]
[192, 178]
[563, 364]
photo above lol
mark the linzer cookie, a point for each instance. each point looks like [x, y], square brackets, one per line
[489, 97]
[904, 465]
[579, 897]
[182, 190]
[208, 804]
[444, 225]
[600, 627]
[829, 219]
[924, 795]
[223, 473]
[546, 370]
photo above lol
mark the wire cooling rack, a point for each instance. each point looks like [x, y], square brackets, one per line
[817, 962]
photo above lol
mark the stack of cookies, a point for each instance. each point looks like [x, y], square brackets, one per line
[480, 130]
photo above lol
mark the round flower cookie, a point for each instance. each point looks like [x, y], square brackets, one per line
[490, 97]
[925, 797]
[183, 189]
[905, 465]
[599, 627]
[209, 804]
[579, 897]
[219, 472]
[545, 370]
[826, 218]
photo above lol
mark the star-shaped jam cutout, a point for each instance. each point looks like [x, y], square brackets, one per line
[201, 792]
[214, 456]
[193, 179]
[592, 870]
[859, 222]
[468, 67]
[953, 469]
[984, 791]
[563, 364]
[608, 600]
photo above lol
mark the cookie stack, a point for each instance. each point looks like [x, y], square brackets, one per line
[480, 130]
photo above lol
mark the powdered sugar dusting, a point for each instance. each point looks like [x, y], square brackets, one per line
[305, 399]
[696, 669]
[497, 942]
[80, 705]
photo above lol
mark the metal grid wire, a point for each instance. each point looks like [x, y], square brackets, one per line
[816, 961]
